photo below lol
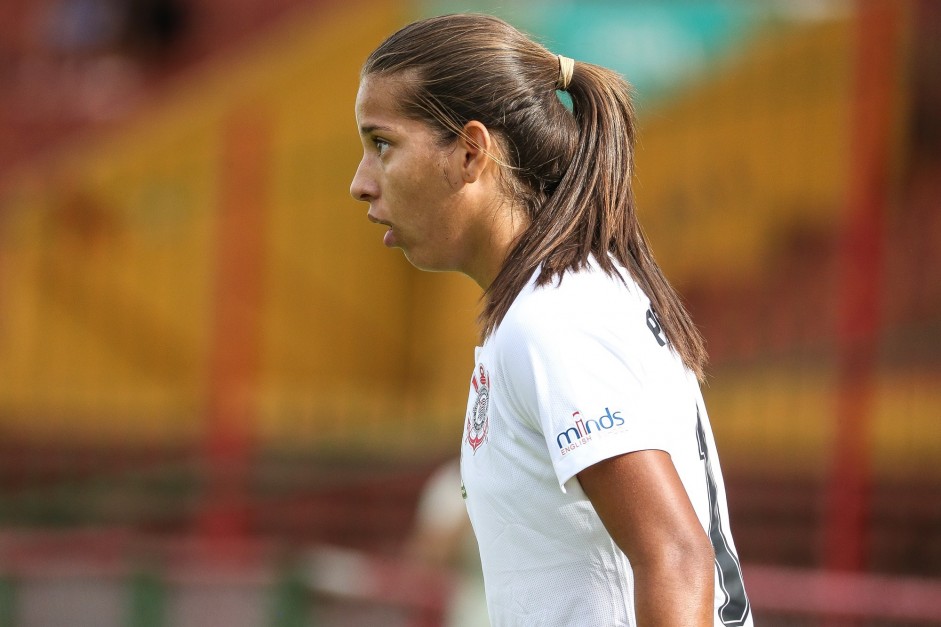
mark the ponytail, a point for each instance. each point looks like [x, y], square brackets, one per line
[592, 212]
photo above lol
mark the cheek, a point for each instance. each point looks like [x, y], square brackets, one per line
[422, 195]
[425, 199]
[438, 213]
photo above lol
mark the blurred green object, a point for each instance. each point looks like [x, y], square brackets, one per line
[289, 598]
[657, 46]
[7, 601]
[147, 599]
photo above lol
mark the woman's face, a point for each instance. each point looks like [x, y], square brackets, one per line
[412, 183]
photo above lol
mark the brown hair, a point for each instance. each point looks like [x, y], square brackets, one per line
[571, 170]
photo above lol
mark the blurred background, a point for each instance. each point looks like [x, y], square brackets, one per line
[224, 402]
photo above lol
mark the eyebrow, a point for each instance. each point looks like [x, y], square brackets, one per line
[370, 129]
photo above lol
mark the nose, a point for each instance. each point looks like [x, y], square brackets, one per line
[363, 186]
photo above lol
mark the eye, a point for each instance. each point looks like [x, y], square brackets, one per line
[381, 145]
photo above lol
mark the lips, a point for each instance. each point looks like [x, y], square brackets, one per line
[389, 238]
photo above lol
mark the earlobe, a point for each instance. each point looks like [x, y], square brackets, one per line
[477, 147]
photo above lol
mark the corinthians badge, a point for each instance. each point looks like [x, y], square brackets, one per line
[477, 419]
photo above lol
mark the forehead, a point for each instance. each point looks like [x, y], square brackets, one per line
[376, 102]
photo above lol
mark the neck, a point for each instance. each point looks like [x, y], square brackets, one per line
[504, 227]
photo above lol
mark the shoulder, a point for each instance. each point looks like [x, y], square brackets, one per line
[586, 299]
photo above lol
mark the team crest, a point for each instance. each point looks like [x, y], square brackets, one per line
[477, 419]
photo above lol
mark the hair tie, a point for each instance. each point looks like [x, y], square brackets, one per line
[566, 69]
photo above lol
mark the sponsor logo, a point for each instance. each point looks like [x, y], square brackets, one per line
[478, 421]
[582, 430]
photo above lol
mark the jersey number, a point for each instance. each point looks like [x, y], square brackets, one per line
[735, 609]
[653, 323]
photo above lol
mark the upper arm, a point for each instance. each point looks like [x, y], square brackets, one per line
[645, 508]
[642, 503]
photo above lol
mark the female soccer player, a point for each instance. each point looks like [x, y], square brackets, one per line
[588, 463]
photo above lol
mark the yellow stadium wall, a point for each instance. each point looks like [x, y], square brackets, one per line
[755, 150]
[749, 150]
[752, 150]
[111, 253]
[110, 259]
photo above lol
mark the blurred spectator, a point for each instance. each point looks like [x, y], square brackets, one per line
[442, 537]
[80, 26]
[155, 28]
[65, 64]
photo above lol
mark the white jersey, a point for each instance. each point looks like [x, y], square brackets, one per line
[576, 373]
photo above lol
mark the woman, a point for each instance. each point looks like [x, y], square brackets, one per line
[588, 463]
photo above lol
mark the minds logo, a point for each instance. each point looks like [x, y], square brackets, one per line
[581, 432]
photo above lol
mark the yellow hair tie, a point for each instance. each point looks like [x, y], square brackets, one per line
[566, 69]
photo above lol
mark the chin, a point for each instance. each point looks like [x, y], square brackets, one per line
[425, 264]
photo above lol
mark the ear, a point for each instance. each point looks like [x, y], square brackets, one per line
[476, 147]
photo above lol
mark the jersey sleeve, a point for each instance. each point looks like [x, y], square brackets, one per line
[591, 382]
